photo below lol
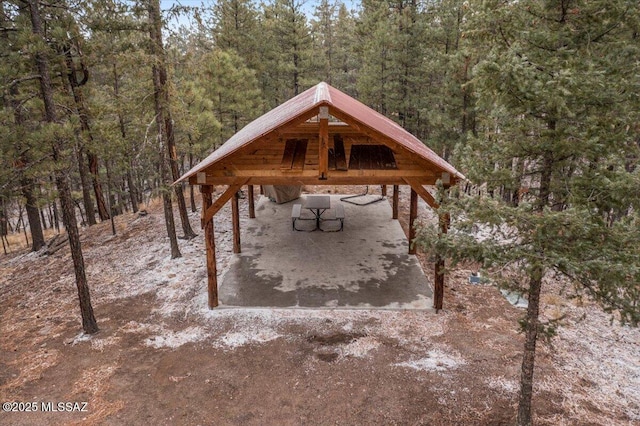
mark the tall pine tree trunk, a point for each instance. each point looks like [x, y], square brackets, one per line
[161, 106]
[33, 213]
[123, 133]
[89, 323]
[43, 221]
[97, 186]
[27, 183]
[81, 109]
[133, 197]
[3, 226]
[162, 94]
[168, 207]
[89, 207]
[532, 322]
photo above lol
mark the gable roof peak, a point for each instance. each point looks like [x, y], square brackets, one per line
[322, 93]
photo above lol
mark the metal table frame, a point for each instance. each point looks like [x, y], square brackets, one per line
[317, 204]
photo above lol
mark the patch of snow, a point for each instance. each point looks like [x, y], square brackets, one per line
[435, 360]
[602, 357]
[235, 340]
[502, 384]
[100, 344]
[137, 327]
[82, 337]
[348, 326]
[174, 339]
[361, 347]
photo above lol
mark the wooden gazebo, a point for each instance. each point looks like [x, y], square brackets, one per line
[320, 137]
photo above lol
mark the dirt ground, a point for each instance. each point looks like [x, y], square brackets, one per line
[161, 357]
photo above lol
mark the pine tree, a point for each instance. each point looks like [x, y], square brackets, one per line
[445, 100]
[116, 47]
[164, 125]
[286, 50]
[235, 27]
[375, 46]
[57, 138]
[323, 30]
[20, 151]
[345, 64]
[232, 89]
[556, 95]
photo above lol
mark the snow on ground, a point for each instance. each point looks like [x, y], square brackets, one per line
[179, 285]
[361, 347]
[609, 363]
[608, 367]
[173, 339]
[502, 384]
[436, 360]
[233, 340]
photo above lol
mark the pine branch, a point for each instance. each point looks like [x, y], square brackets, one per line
[17, 81]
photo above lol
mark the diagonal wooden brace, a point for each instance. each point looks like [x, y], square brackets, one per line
[422, 192]
[221, 201]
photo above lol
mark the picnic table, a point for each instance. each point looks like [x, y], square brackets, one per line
[317, 204]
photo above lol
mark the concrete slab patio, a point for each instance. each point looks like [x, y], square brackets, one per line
[366, 265]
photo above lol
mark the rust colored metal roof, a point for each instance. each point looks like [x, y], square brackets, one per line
[312, 99]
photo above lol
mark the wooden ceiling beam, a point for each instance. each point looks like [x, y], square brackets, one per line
[238, 172]
[308, 130]
[313, 180]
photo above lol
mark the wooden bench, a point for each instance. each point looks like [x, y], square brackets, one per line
[295, 214]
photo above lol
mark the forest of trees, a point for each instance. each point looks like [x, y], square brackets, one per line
[135, 101]
[537, 102]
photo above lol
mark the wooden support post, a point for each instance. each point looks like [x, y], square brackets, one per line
[418, 189]
[235, 219]
[210, 242]
[252, 206]
[438, 285]
[323, 153]
[383, 190]
[396, 193]
[413, 213]
[261, 190]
